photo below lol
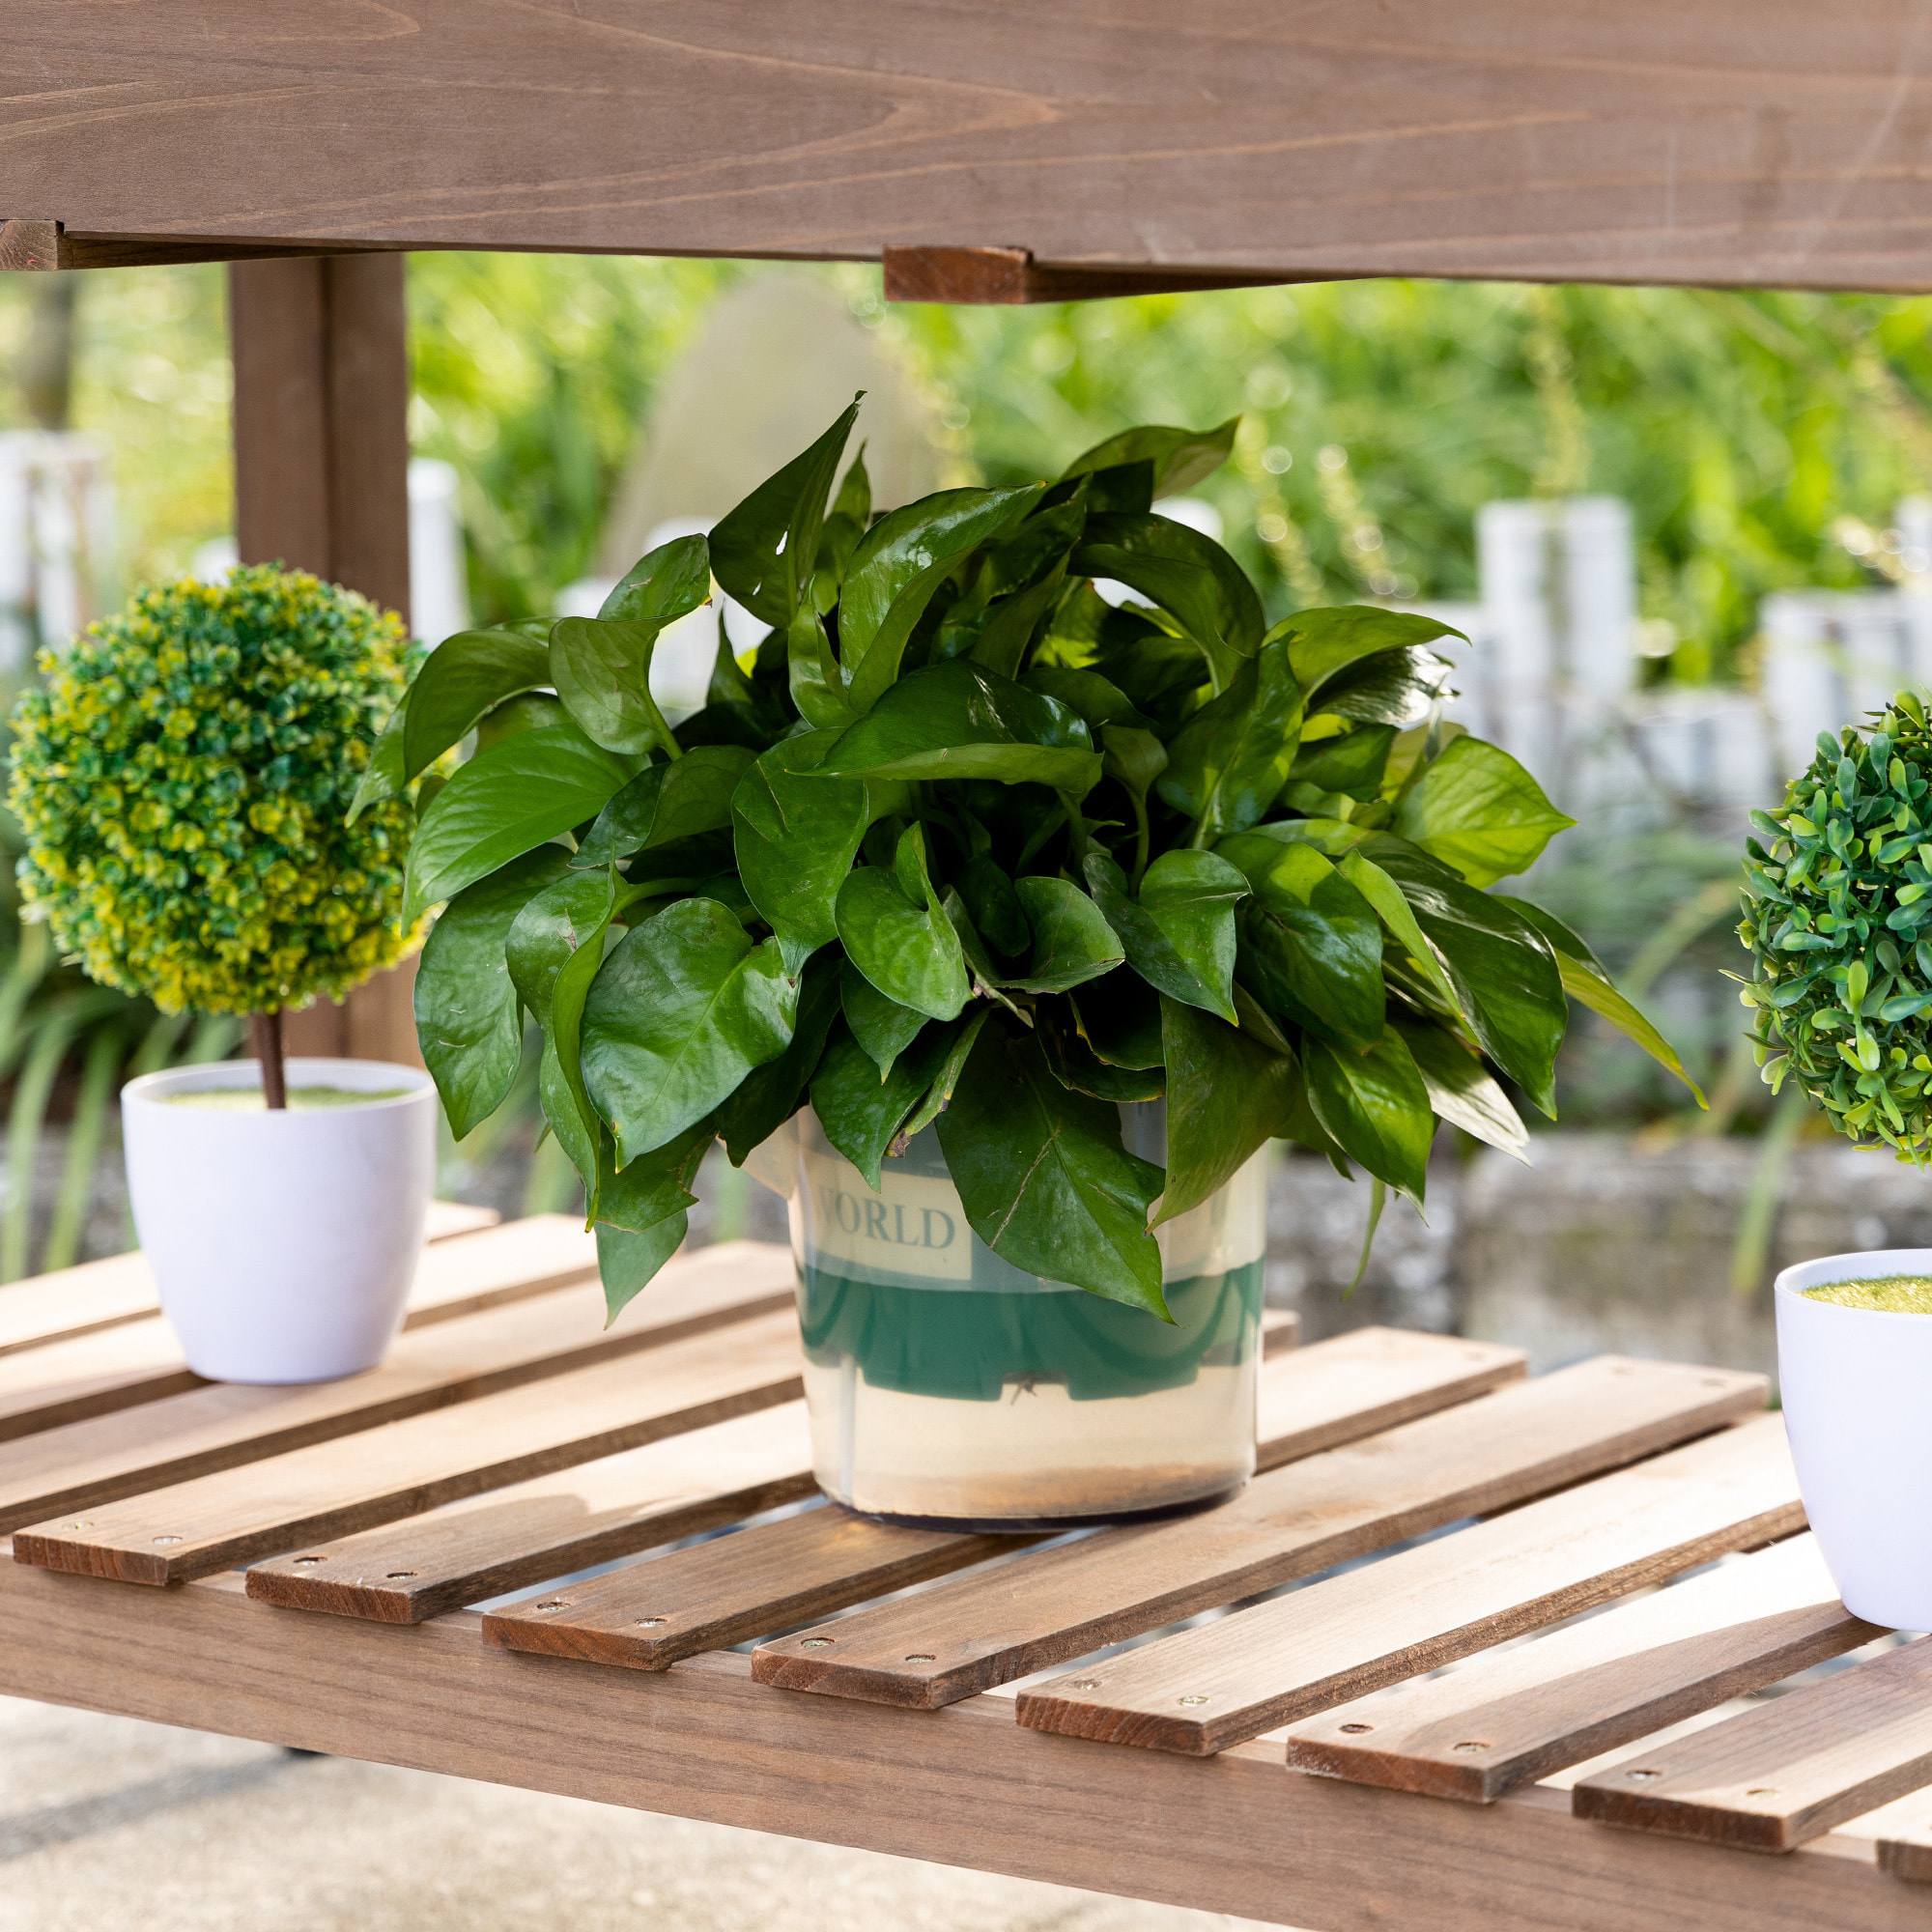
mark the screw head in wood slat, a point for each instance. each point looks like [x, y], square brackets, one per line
[167, 1538]
[651, 1623]
[1190, 1700]
[1355, 1730]
[552, 1603]
[397, 1575]
[1084, 1683]
[1642, 1776]
[1471, 1745]
[310, 1562]
[77, 1525]
[1763, 1791]
[815, 1643]
[922, 1657]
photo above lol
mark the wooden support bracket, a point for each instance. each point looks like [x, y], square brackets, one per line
[34, 245]
[1012, 275]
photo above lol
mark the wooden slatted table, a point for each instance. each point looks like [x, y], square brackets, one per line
[488, 1558]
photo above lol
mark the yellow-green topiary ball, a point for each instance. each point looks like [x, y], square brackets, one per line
[183, 782]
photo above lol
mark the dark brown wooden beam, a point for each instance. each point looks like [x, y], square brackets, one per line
[1739, 142]
[1012, 275]
[26, 243]
[321, 389]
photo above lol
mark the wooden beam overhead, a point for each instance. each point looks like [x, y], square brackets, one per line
[1778, 143]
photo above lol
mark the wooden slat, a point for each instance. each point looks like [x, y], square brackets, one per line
[1235, 1835]
[653, 1613]
[1281, 1329]
[416, 1569]
[334, 1489]
[1062, 1603]
[1227, 1681]
[217, 1426]
[506, 1539]
[120, 1287]
[1511, 1716]
[1901, 1832]
[139, 1361]
[1770, 1779]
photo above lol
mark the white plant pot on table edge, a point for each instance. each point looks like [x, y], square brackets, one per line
[1856, 1388]
[283, 1243]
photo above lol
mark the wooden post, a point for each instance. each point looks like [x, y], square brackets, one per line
[321, 455]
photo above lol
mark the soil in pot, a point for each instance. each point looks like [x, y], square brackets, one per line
[1888, 1295]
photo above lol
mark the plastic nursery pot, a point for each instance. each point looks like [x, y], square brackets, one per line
[1854, 1384]
[947, 1388]
[283, 1243]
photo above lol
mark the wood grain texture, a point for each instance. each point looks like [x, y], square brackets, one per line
[1011, 276]
[1772, 1777]
[116, 1365]
[217, 1426]
[120, 1287]
[1508, 1717]
[1780, 144]
[967, 1786]
[649, 1615]
[1902, 1835]
[352, 1482]
[1500, 1449]
[1226, 1682]
[510, 1538]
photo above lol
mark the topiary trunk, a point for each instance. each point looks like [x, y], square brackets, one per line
[264, 1036]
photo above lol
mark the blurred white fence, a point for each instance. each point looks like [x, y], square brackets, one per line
[56, 539]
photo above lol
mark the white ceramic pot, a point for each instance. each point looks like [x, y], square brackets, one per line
[1857, 1386]
[283, 1243]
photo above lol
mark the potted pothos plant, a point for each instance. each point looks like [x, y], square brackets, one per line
[1838, 923]
[1004, 922]
[180, 776]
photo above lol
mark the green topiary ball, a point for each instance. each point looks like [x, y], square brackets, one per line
[1838, 923]
[183, 781]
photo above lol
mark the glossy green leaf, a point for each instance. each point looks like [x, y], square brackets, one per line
[938, 1097]
[1399, 921]
[816, 684]
[1098, 699]
[960, 721]
[579, 1139]
[1398, 687]
[796, 837]
[1187, 575]
[1477, 810]
[468, 1012]
[532, 711]
[989, 898]
[763, 551]
[1503, 968]
[1586, 981]
[1461, 1090]
[1071, 939]
[1120, 1018]
[1375, 1106]
[664, 802]
[463, 679]
[684, 1008]
[898, 564]
[883, 1026]
[602, 672]
[510, 799]
[1180, 934]
[979, 967]
[902, 940]
[1331, 837]
[1179, 457]
[1310, 945]
[1351, 764]
[382, 775]
[1226, 1094]
[768, 1095]
[1044, 1178]
[1228, 763]
[1007, 631]
[861, 1114]
[662, 586]
[1325, 643]
[627, 1263]
[655, 1185]
[1074, 1064]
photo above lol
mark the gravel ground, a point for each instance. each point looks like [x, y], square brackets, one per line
[111, 1826]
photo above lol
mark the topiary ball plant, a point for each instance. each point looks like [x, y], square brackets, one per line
[1838, 923]
[183, 778]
